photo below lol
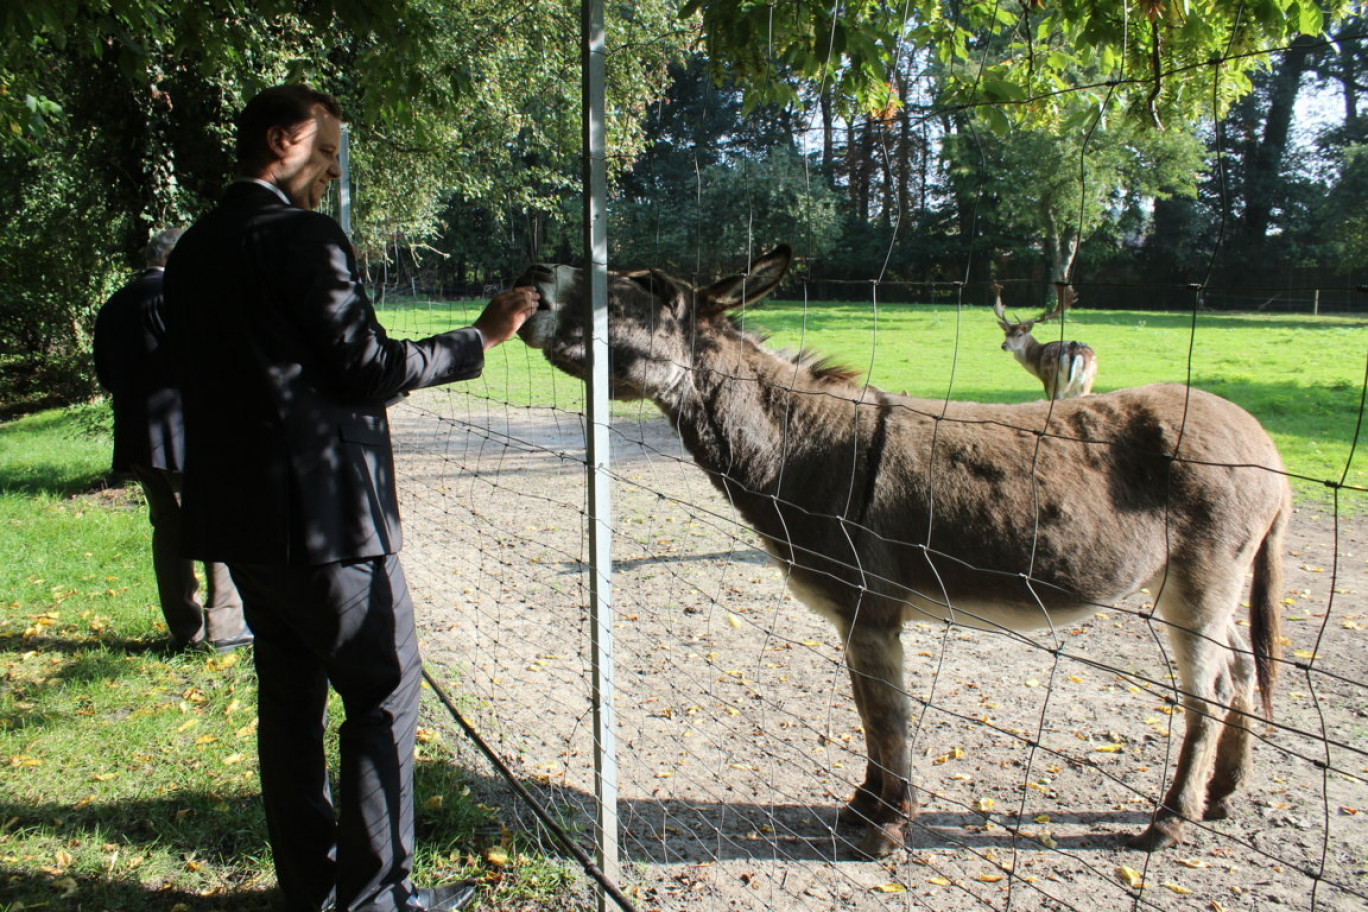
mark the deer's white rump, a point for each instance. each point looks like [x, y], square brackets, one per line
[885, 508]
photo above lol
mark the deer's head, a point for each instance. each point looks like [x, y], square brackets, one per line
[1017, 333]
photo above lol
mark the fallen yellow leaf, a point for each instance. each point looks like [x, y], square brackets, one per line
[891, 888]
[939, 881]
[1181, 891]
[1130, 877]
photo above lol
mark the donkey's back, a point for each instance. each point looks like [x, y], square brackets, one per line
[1017, 515]
[1091, 498]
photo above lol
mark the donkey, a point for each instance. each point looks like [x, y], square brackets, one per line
[1067, 369]
[884, 509]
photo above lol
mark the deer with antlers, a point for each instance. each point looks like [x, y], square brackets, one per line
[1066, 368]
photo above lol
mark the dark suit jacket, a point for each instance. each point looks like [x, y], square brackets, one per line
[285, 374]
[134, 365]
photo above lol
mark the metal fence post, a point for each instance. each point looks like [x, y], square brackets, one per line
[600, 518]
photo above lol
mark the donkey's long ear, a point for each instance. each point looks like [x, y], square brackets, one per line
[763, 277]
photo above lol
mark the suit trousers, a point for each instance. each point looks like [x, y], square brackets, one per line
[348, 624]
[219, 617]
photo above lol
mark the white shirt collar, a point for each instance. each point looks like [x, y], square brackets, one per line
[269, 186]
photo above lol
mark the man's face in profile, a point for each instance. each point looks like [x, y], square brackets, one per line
[308, 158]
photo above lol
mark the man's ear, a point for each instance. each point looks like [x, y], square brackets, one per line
[279, 140]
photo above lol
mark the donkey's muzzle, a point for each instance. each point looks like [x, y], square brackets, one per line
[555, 285]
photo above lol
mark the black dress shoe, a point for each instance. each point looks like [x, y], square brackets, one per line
[228, 645]
[442, 899]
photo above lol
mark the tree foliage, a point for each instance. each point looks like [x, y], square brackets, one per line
[1049, 192]
[714, 182]
[1039, 60]
[116, 121]
[948, 131]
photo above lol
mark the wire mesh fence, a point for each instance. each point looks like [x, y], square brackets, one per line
[1035, 755]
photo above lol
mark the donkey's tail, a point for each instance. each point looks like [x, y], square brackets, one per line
[1265, 609]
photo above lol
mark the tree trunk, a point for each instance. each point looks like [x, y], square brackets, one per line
[828, 133]
[1061, 246]
[1263, 167]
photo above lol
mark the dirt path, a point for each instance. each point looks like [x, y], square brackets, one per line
[737, 737]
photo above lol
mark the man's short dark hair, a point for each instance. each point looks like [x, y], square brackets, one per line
[281, 106]
[159, 248]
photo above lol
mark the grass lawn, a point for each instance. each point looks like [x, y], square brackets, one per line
[1301, 376]
[128, 774]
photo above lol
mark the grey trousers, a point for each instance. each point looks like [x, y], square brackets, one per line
[189, 621]
[350, 625]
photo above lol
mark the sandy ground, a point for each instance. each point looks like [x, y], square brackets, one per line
[737, 739]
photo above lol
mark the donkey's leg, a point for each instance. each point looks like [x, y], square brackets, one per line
[1233, 751]
[884, 802]
[861, 809]
[1203, 657]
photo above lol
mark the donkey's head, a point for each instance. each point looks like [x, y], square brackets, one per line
[655, 321]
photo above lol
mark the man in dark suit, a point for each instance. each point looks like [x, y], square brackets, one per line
[286, 375]
[134, 365]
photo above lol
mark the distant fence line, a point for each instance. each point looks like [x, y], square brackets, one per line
[1295, 292]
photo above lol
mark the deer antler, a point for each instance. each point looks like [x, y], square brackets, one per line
[1067, 298]
[997, 304]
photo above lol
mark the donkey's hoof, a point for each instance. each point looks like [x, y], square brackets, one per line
[1217, 810]
[1158, 835]
[855, 815]
[864, 808]
[881, 840]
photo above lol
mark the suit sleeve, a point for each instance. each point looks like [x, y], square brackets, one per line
[349, 344]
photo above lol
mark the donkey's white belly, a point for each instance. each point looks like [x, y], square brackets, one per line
[1023, 616]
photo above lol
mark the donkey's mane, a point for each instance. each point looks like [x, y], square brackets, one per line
[822, 368]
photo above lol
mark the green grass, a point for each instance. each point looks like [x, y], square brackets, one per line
[1301, 376]
[128, 775]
